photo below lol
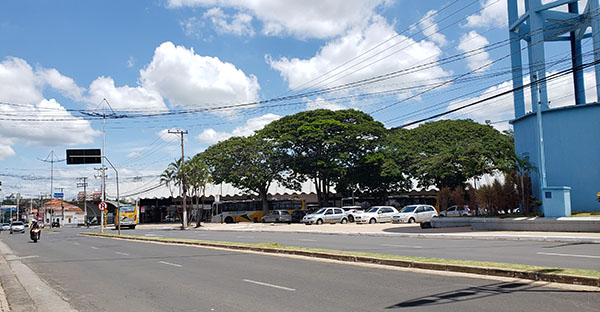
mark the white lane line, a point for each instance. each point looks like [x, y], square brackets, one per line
[77, 243]
[11, 258]
[94, 247]
[121, 253]
[150, 234]
[268, 285]
[244, 237]
[567, 255]
[401, 246]
[307, 240]
[172, 264]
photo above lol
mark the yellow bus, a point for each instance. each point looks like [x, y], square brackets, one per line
[234, 211]
[128, 216]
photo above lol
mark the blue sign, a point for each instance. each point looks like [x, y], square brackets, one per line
[59, 195]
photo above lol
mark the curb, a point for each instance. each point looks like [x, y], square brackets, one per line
[555, 239]
[535, 276]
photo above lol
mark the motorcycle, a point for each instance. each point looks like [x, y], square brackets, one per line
[34, 234]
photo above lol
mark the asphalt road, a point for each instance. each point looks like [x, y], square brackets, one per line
[98, 274]
[563, 255]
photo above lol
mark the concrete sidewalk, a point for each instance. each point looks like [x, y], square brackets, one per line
[389, 229]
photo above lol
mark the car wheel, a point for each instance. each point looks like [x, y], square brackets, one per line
[411, 220]
[229, 220]
[263, 221]
[441, 216]
[319, 221]
[350, 218]
[344, 221]
[372, 221]
[307, 223]
[465, 215]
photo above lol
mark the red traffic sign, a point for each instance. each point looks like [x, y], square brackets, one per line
[102, 206]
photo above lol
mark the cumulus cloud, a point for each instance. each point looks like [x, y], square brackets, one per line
[48, 122]
[133, 155]
[299, 18]
[240, 24]
[189, 80]
[560, 93]
[406, 53]
[494, 14]
[211, 136]
[430, 29]
[320, 103]
[125, 98]
[472, 41]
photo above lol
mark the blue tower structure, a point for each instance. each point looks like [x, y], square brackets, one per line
[563, 143]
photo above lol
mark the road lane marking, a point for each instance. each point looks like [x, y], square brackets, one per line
[172, 264]
[77, 243]
[307, 240]
[121, 253]
[154, 235]
[268, 285]
[567, 255]
[244, 237]
[93, 247]
[401, 246]
[12, 258]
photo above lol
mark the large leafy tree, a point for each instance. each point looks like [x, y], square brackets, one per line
[447, 153]
[198, 177]
[322, 145]
[248, 163]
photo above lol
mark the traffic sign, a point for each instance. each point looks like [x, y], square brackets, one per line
[102, 206]
[59, 195]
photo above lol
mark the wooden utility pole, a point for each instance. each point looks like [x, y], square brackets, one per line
[183, 178]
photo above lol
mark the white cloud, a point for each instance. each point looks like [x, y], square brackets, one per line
[239, 24]
[472, 41]
[168, 137]
[192, 27]
[125, 98]
[320, 103]
[133, 155]
[211, 136]
[131, 62]
[494, 14]
[560, 93]
[47, 122]
[406, 53]
[299, 18]
[430, 29]
[189, 80]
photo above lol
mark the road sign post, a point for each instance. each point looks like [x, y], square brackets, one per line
[102, 206]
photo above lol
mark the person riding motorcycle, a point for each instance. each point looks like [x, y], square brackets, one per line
[35, 231]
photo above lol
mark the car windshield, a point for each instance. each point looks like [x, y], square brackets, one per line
[374, 209]
[17, 223]
[408, 209]
[320, 211]
[5, 224]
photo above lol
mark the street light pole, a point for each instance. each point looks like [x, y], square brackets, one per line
[118, 203]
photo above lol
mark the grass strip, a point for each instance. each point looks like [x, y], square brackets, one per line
[477, 264]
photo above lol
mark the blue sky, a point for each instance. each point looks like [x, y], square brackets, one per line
[59, 58]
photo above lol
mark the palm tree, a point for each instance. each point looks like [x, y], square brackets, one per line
[167, 177]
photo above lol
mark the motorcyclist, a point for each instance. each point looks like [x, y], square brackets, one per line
[35, 227]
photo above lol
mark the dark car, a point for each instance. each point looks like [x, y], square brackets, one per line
[297, 215]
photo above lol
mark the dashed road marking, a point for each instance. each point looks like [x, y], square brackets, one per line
[94, 247]
[268, 285]
[121, 253]
[76, 243]
[307, 240]
[244, 237]
[171, 264]
[401, 246]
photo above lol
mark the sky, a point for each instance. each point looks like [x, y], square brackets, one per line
[222, 68]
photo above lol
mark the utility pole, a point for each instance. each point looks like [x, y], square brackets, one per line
[84, 185]
[52, 155]
[183, 177]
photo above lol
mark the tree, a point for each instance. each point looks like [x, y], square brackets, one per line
[168, 178]
[199, 176]
[248, 163]
[449, 152]
[323, 145]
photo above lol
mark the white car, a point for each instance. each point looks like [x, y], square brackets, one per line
[415, 213]
[326, 215]
[352, 211]
[376, 214]
[17, 226]
[457, 211]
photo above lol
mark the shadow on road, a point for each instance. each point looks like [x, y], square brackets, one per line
[474, 293]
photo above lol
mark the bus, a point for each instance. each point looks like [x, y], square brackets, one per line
[234, 211]
[128, 217]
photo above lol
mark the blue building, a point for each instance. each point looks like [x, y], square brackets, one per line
[563, 143]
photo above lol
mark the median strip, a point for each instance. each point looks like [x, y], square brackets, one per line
[536, 273]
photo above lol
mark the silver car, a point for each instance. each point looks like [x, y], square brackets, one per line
[326, 215]
[17, 226]
[415, 213]
[278, 216]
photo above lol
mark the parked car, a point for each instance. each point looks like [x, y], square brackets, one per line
[277, 216]
[456, 211]
[351, 211]
[297, 215]
[376, 214]
[326, 215]
[5, 226]
[415, 213]
[169, 219]
[17, 226]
